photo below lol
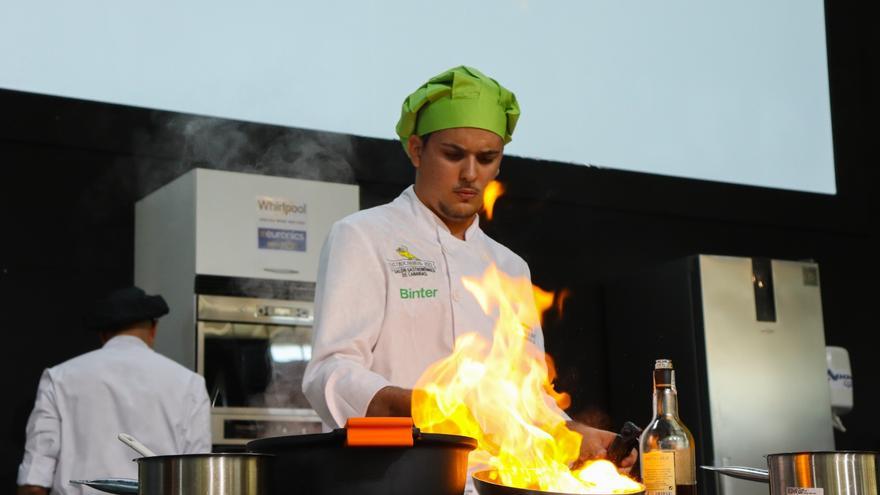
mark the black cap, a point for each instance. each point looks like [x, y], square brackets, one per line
[124, 307]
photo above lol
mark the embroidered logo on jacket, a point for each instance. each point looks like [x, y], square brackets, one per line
[417, 293]
[404, 251]
[410, 265]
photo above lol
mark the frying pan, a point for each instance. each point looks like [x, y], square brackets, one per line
[626, 440]
[485, 486]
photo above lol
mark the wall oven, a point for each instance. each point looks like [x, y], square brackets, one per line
[253, 353]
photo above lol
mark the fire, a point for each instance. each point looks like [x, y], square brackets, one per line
[560, 299]
[493, 191]
[500, 393]
[543, 299]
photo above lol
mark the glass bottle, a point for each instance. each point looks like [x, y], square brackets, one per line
[666, 447]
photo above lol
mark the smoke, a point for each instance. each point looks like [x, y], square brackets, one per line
[137, 151]
[323, 157]
[271, 289]
[177, 143]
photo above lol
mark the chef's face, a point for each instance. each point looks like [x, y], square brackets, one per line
[452, 169]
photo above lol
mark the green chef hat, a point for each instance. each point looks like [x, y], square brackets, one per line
[459, 97]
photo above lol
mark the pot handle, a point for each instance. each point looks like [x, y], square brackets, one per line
[380, 432]
[741, 472]
[119, 486]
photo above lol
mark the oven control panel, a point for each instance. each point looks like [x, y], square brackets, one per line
[238, 426]
[253, 310]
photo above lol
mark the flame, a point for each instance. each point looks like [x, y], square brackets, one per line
[493, 191]
[500, 393]
[560, 300]
[543, 299]
[546, 299]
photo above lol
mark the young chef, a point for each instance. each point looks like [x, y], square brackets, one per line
[123, 387]
[390, 300]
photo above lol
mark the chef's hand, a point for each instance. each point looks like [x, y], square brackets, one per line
[596, 442]
[391, 401]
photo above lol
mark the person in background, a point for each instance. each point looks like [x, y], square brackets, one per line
[123, 387]
[390, 299]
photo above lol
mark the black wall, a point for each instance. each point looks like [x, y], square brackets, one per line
[71, 170]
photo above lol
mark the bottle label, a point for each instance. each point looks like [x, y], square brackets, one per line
[658, 472]
[684, 467]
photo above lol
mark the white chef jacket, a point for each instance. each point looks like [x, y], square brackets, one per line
[390, 302]
[84, 403]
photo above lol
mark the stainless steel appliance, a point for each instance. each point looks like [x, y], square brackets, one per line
[747, 337]
[253, 353]
[236, 257]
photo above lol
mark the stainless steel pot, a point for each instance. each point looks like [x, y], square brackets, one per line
[202, 474]
[814, 473]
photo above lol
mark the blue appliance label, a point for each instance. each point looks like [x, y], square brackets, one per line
[282, 239]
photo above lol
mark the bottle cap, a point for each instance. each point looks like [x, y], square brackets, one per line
[663, 364]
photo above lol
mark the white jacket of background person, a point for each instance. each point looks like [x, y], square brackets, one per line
[390, 302]
[84, 403]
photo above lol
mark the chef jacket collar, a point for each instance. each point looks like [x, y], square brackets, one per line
[125, 342]
[431, 219]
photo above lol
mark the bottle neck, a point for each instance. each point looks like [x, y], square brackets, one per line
[665, 397]
[665, 402]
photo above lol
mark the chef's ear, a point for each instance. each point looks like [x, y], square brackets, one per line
[150, 337]
[415, 145]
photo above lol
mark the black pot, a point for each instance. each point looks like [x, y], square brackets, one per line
[325, 463]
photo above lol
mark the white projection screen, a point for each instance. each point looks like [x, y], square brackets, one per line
[725, 91]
